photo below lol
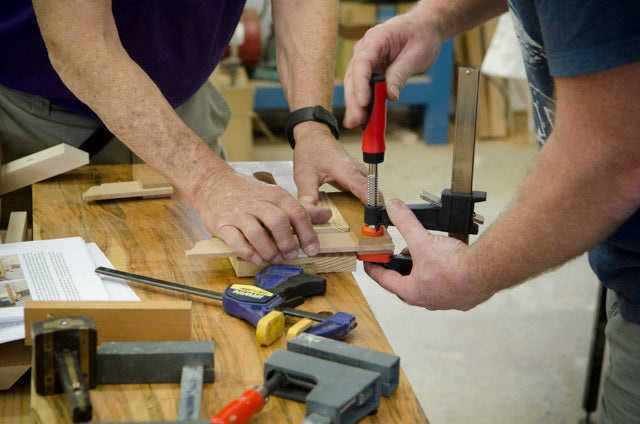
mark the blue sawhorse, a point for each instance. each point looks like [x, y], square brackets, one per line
[431, 90]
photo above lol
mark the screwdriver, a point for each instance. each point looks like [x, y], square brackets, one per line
[373, 148]
[241, 410]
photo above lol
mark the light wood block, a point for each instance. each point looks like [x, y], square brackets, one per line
[40, 166]
[341, 262]
[329, 243]
[124, 190]
[152, 320]
[17, 229]
[337, 223]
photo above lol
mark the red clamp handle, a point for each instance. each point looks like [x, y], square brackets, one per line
[241, 410]
[374, 127]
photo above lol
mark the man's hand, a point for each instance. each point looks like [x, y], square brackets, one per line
[319, 158]
[399, 48]
[439, 277]
[255, 219]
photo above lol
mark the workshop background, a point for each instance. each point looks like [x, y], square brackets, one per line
[521, 356]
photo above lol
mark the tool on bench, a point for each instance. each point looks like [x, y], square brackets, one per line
[188, 363]
[453, 212]
[340, 383]
[64, 359]
[276, 291]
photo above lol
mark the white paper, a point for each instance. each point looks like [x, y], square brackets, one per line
[58, 269]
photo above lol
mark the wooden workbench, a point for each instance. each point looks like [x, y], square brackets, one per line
[150, 237]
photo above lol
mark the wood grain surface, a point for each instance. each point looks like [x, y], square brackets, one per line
[150, 237]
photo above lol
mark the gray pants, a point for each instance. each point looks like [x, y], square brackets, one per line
[30, 123]
[621, 388]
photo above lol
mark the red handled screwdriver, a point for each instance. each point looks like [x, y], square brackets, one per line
[241, 410]
[373, 148]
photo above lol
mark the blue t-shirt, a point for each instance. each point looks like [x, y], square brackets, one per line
[177, 43]
[573, 37]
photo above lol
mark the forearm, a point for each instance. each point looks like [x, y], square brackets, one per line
[101, 74]
[306, 34]
[455, 17]
[583, 185]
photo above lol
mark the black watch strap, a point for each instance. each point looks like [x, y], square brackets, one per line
[313, 113]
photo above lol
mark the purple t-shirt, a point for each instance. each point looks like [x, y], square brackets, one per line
[177, 43]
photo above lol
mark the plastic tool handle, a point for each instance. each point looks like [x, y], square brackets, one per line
[241, 410]
[374, 127]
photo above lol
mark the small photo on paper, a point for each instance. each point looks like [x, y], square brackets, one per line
[10, 268]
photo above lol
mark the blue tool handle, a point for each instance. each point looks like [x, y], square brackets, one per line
[335, 327]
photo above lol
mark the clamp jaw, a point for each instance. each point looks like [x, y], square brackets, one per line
[453, 212]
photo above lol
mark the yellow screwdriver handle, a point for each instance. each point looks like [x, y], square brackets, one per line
[299, 327]
[270, 328]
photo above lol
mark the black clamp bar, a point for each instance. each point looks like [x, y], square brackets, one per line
[455, 215]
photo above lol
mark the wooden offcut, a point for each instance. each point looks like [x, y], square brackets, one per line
[17, 229]
[120, 321]
[124, 190]
[40, 166]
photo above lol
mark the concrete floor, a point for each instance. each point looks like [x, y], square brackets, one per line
[521, 356]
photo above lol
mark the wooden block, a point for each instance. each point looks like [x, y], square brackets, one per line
[15, 360]
[17, 229]
[40, 166]
[329, 243]
[148, 177]
[124, 190]
[120, 321]
[336, 223]
[341, 262]
[353, 213]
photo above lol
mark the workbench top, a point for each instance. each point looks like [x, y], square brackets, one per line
[150, 237]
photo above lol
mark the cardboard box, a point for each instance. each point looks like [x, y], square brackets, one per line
[238, 137]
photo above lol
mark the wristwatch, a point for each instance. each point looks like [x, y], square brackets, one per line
[313, 113]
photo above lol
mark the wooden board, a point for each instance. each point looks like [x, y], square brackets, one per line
[124, 190]
[120, 321]
[337, 223]
[40, 165]
[320, 264]
[329, 243]
[17, 229]
[150, 238]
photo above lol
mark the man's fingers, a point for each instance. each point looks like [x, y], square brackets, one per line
[317, 214]
[406, 222]
[236, 241]
[301, 221]
[388, 279]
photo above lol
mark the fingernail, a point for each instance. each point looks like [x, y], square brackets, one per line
[256, 259]
[277, 260]
[360, 97]
[312, 249]
[291, 255]
[306, 199]
[396, 92]
[393, 205]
